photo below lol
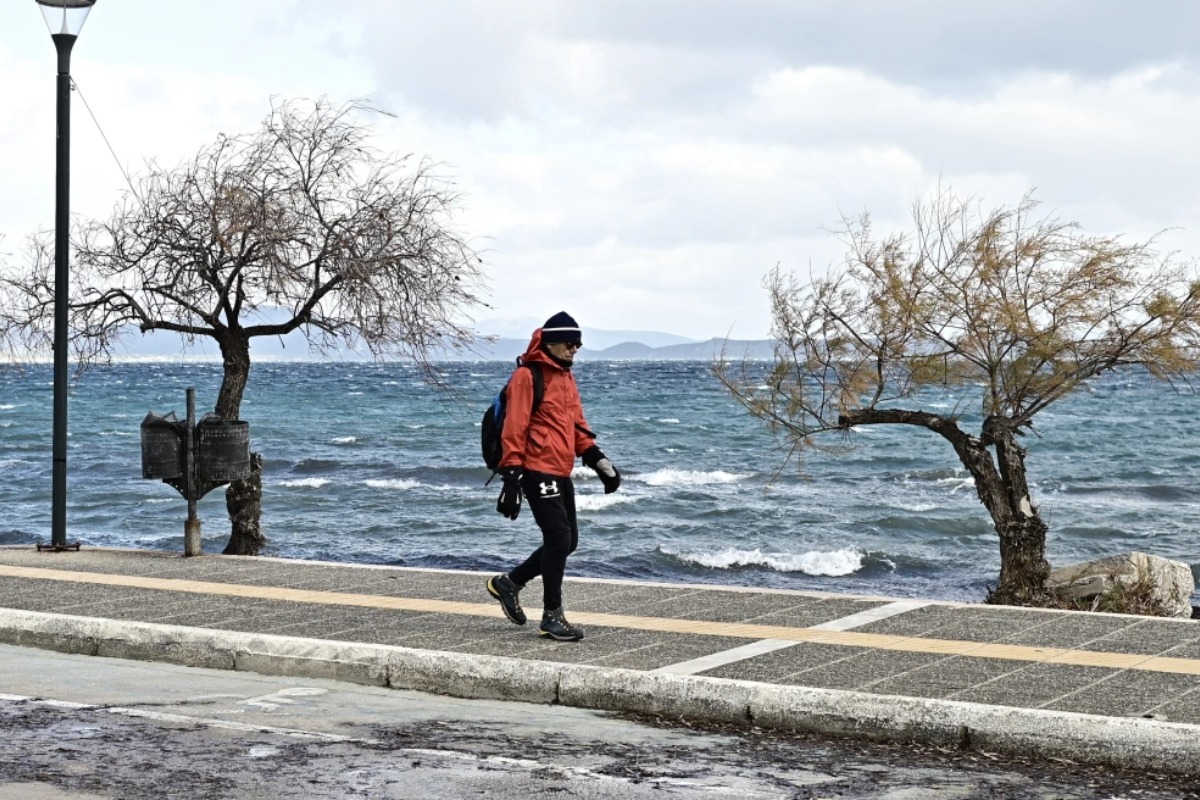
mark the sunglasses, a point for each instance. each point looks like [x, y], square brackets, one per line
[571, 345]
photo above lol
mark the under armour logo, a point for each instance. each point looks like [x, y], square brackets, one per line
[549, 489]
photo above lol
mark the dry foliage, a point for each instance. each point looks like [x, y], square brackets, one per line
[1022, 305]
[1141, 597]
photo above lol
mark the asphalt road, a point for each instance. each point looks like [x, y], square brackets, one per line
[75, 727]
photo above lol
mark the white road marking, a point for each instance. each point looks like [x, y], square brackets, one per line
[870, 615]
[698, 665]
[763, 646]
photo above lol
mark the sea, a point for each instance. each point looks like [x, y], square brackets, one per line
[372, 463]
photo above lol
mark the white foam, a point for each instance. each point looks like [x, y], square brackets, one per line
[685, 477]
[309, 483]
[957, 483]
[834, 563]
[344, 440]
[599, 502]
[918, 507]
[670, 420]
[403, 483]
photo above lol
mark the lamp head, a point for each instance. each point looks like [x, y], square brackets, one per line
[65, 16]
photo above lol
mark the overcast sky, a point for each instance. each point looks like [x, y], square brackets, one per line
[642, 164]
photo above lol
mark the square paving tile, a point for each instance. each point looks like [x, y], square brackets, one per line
[946, 677]
[863, 671]
[153, 606]
[1184, 708]
[401, 635]
[616, 599]
[443, 637]
[212, 612]
[1188, 649]
[1069, 630]
[1034, 685]
[816, 613]
[724, 606]
[29, 595]
[1131, 693]
[198, 569]
[1145, 638]
[960, 624]
[912, 623]
[321, 621]
[94, 602]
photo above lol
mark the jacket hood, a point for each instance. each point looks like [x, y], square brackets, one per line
[535, 352]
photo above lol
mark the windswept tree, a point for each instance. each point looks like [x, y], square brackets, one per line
[1019, 303]
[300, 226]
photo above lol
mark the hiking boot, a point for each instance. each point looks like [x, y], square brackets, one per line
[503, 589]
[555, 626]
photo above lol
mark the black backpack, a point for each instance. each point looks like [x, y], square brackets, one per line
[493, 418]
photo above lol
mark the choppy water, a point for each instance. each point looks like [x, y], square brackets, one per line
[367, 463]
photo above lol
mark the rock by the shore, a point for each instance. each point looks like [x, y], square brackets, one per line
[1165, 586]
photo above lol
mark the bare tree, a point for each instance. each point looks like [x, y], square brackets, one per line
[300, 226]
[1018, 303]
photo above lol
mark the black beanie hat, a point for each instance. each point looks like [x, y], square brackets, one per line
[562, 327]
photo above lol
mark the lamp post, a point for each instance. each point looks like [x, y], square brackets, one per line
[65, 19]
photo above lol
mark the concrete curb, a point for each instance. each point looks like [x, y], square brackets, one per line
[1134, 742]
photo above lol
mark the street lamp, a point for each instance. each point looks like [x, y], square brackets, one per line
[65, 19]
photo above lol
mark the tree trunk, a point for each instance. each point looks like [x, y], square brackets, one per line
[235, 357]
[243, 498]
[1023, 565]
[244, 501]
[1001, 486]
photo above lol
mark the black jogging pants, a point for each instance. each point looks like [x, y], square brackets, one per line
[552, 501]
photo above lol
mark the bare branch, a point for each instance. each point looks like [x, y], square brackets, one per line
[302, 225]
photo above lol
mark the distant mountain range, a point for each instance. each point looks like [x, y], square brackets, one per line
[506, 343]
[734, 350]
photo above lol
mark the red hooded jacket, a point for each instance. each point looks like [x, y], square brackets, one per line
[549, 440]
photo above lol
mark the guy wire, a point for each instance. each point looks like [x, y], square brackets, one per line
[124, 174]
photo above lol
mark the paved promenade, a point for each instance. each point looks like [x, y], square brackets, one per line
[1101, 688]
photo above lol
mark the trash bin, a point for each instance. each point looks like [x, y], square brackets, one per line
[162, 446]
[222, 449]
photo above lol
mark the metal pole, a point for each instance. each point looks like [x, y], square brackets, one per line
[191, 528]
[62, 204]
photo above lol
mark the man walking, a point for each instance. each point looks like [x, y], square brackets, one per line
[540, 448]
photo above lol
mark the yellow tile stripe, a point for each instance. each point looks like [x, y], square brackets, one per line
[741, 630]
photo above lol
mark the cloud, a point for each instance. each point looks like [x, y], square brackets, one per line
[649, 162]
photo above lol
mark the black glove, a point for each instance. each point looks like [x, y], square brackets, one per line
[509, 501]
[594, 457]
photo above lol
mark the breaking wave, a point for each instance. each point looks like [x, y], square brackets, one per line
[305, 483]
[834, 563]
[685, 477]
